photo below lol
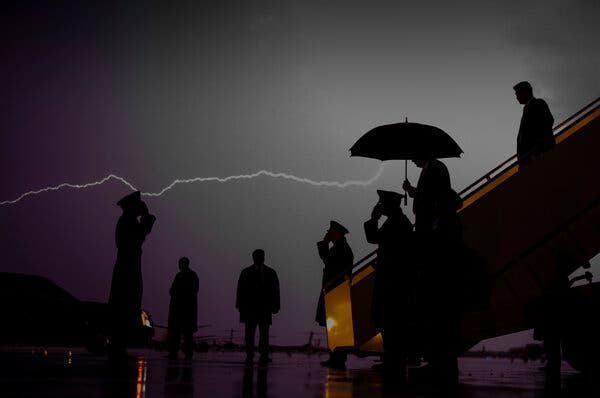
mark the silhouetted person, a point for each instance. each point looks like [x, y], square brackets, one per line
[257, 299]
[439, 252]
[183, 309]
[125, 300]
[431, 195]
[337, 258]
[395, 276]
[535, 131]
[552, 320]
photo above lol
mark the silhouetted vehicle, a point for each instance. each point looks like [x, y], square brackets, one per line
[36, 311]
[523, 224]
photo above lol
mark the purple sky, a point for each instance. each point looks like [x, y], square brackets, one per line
[154, 92]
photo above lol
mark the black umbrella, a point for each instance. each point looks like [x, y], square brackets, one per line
[406, 141]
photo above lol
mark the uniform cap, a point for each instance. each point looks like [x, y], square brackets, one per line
[390, 197]
[338, 227]
[130, 199]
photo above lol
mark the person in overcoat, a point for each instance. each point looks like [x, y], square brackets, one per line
[183, 309]
[535, 130]
[395, 277]
[125, 298]
[337, 257]
[257, 299]
[439, 252]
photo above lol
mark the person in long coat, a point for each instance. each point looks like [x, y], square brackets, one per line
[535, 130]
[257, 299]
[439, 249]
[395, 277]
[183, 309]
[125, 299]
[337, 257]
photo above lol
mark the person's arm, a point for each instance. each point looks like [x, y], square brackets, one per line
[371, 226]
[371, 231]
[239, 292]
[172, 289]
[146, 220]
[410, 190]
[276, 297]
[323, 249]
[349, 260]
[196, 283]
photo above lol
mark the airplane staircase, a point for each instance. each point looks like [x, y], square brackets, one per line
[524, 223]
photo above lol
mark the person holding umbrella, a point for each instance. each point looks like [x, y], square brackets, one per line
[434, 202]
[395, 277]
[437, 231]
[439, 243]
[337, 258]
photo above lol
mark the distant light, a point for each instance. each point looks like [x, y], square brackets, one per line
[146, 319]
[330, 323]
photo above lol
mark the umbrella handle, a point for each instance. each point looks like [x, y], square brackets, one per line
[405, 177]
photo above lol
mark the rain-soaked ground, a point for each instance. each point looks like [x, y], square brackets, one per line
[58, 372]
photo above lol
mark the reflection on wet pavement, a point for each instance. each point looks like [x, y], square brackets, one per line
[64, 373]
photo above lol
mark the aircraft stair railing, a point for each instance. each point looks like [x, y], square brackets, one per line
[523, 226]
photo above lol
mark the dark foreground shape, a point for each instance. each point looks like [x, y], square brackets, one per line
[580, 345]
[37, 312]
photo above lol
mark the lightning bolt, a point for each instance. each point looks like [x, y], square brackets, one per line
[285, 176]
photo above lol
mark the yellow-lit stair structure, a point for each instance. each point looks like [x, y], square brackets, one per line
[522, 222]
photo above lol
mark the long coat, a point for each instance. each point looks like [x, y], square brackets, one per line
[257, 296]
[125, 299]
[395, 273]
[336, 259]
[535, 131]
[183, 307]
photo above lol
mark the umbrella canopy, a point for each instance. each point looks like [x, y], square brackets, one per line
[406, 141]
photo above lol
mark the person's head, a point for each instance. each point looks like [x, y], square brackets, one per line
[184, 263]
[390, 201]
[258, 256]
[420, 161]
[523, 92]
[336, 231]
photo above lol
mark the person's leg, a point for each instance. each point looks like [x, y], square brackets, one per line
[263, 344]
[118, 334]
[188, 344]
[174, 341]
[249, 332]
[394, 357]
[552, 348]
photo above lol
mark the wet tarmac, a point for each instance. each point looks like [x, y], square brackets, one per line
[59, 372]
